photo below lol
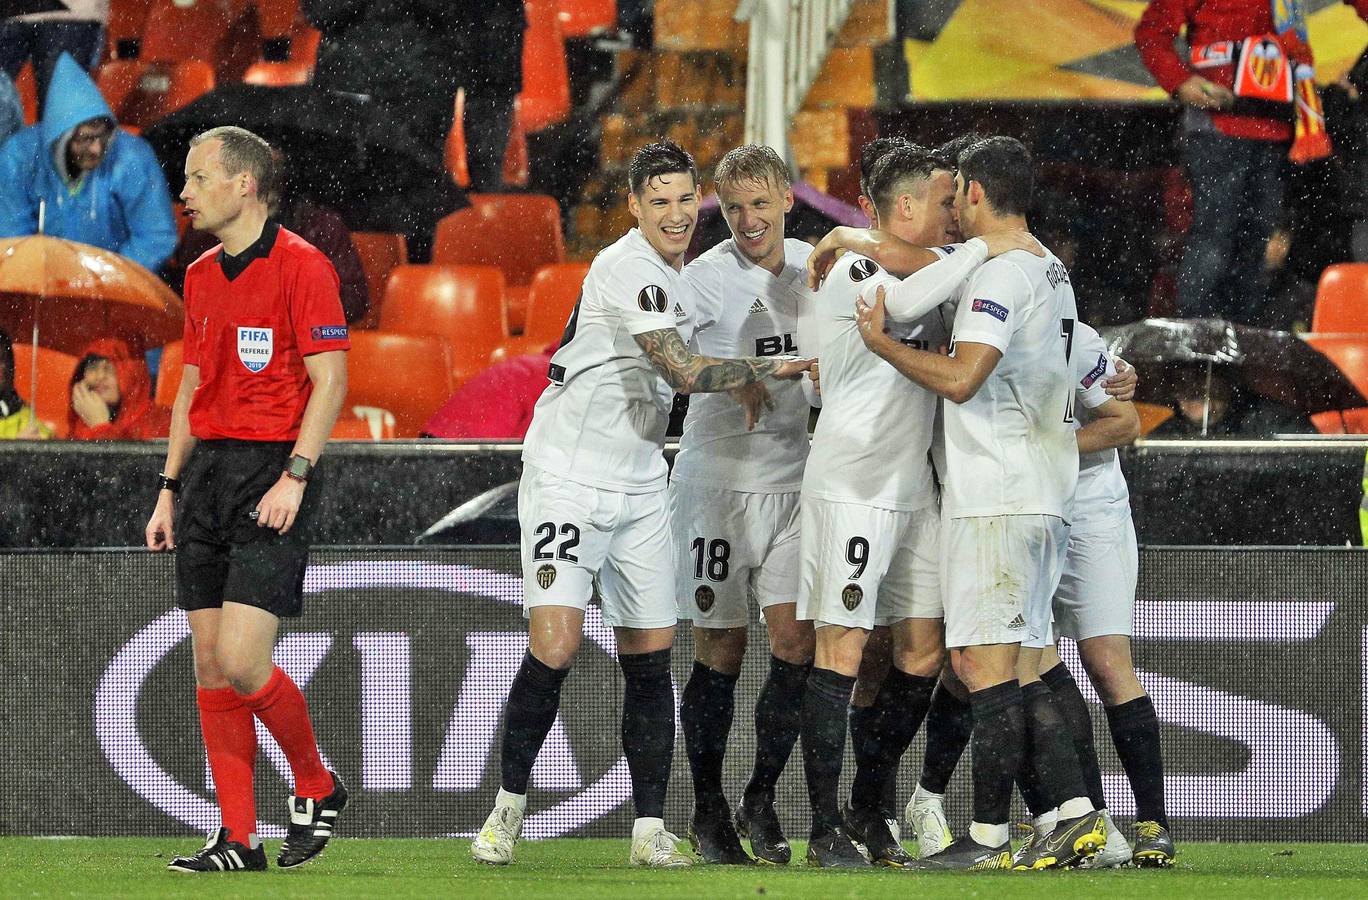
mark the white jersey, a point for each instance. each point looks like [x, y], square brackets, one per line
[743, 310]
[1010, 449]
[601, 421]
[874, 434]
[1102, 492]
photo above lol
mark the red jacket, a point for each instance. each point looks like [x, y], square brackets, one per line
[138, 419]
[1206, 21]
[496, 404]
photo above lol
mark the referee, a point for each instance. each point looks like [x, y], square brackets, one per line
[265, 375]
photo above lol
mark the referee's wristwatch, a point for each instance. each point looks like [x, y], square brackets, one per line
[299, 468]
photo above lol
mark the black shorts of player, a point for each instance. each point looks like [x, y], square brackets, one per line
[221, 551]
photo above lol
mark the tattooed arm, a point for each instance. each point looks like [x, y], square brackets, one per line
[688, 373]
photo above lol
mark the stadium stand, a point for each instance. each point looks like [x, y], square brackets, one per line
[380, 254]
[518, 233]
[463, 305]
[586, 18]
[550, 299]
[407, 374]
[1342, 300]
[545, 97]
[141, 92]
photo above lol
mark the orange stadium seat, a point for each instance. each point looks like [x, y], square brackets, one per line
[407, 374]
[1342, 300]
[27, 87]
[304, 44]
[52, 398]
[380, 253]
[353, 427]
[140, 93]
[126, 20]
[550, 301]
[169, 374]
[545, 97]
[585, 18]
[519, 233]
[173, 32]
[278, 74]
[462, 304]
[1350, 355]
[456, 162]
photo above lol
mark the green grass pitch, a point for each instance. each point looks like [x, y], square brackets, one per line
[568, 869]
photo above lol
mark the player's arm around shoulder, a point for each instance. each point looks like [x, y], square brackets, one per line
[956, 378]
[687, 372]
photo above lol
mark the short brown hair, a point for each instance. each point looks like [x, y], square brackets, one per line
[752, 164]
[244, 151]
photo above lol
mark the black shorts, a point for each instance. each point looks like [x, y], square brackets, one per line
[221, 551]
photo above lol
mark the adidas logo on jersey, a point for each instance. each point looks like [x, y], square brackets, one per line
[1018, 622]
[679, 311]
[757, 307]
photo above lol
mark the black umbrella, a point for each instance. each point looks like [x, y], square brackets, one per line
[1275, 365]
[343, 150]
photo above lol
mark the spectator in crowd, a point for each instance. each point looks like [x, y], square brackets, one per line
[101, 185]
[319, 225]
[1218, 409]
[1235, 155]
[11, 108]
[43, 37]
[16, 416]
[496, 404]
[111, 397]
[491, 73]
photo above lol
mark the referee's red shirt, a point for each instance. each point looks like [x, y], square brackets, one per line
[249, 322]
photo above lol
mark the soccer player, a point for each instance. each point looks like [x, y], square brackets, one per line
[1012, 464]
[1095, 606]
[265, 375]
[869, 520]
[592, 499]
[734, 509]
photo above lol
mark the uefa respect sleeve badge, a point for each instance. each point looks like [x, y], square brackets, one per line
[255, 346]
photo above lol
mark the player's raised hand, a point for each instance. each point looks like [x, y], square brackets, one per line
[1122, 385]
[159, 535]
[792, 368]
[869, 319]
[1000, 242]
[755, 399]
[822, 258]
[815, 376]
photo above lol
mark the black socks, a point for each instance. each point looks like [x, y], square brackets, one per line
[648, 728]
[949, 724]
[896, 715]
[778, 719]
[824, 731]
[1069, 700]
[1135, 731]
[705, 712]
[528, 716]
[999, 734]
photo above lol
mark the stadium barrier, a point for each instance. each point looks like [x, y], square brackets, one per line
[1216, 493]
[1255, 657]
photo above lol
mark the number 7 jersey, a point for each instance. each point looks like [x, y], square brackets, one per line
[1010, 449]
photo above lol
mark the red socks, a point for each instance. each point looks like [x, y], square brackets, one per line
[281, 708]
[230, 739]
